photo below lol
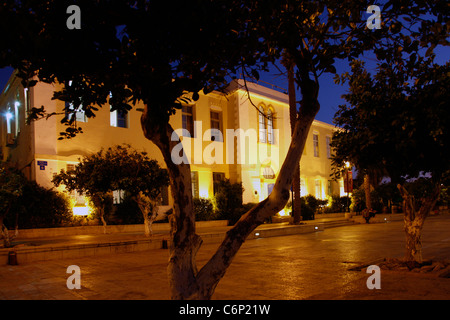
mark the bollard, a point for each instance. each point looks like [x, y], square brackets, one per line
[12, 258]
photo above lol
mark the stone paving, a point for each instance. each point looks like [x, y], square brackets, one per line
[304, 266]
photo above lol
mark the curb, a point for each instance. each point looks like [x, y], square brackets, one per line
[27, 254]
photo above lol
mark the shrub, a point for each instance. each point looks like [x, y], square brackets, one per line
[127, 212]
[39, 207]
[228, 201]
[311, 202]
[338, 204]
[203, 209]
[307, 212]
[241, 211]
[389, 194]
[359, 200]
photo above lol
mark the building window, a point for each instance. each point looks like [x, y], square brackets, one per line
[79, 198]
[9, 116]
[328, 147]
[265, 125]
[118, 196]
[71, 111]
[188, 119]
[194, 182]
[217, 178]
[268, 173]
[164, 196]
[318, 189]
[262, 125]
[16, 116]
[270, 137]
[118, 118]
[216, 126]
[316, 144]
[330, 187]
[303, 191]
[77, 113]
[27, 99]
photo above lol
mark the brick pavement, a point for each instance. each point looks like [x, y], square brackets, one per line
[304, 266]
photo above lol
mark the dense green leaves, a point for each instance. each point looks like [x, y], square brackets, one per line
[117, 168]
[396, 120]
[148, 51]
[11, 187]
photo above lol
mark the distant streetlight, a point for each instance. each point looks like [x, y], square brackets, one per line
[8, 116]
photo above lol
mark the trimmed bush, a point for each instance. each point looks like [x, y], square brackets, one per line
[39, 207]
[228, 201]
[307, 212]
[338, 204]
[126, 212]
[203, 209]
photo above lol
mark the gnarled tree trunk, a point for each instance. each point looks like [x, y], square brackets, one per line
[149, 209]
[7, 239]
[296, 201]
[367, 192]
[182, 268]
[185, 281]
[414, 219]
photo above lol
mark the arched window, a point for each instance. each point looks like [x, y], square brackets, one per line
[268, 173]
[262, 125]
[270, 137]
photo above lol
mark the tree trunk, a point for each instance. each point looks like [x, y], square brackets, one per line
[6, 237]
[414, 220]
[102, 213]
[210, 275]
[4, 230]
[147, 206]
[185, 281]
[367, 192]
[296, 201]
[182, 268]
[413, 230]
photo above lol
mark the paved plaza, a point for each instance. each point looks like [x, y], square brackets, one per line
[304, 266]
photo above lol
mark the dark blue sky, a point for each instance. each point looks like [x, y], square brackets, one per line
[329, 93]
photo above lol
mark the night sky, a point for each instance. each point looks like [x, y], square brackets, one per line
[329, 93]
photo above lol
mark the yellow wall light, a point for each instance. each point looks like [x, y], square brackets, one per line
[80, 211]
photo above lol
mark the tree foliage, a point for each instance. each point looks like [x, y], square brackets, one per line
[117, 168]
[396, 121]
[137, 51]
[11, 189]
